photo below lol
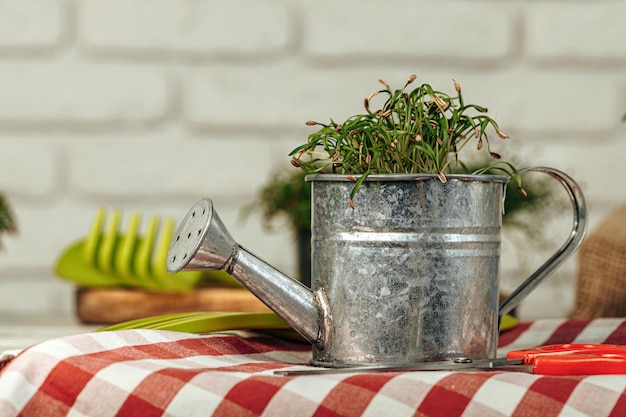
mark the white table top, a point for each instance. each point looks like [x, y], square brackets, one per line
[19, 333]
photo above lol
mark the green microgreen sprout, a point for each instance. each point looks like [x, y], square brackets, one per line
[415, 131]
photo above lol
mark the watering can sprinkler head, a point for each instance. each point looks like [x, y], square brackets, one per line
[203, 243]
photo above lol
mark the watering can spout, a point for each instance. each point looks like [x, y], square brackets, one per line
[203, 243]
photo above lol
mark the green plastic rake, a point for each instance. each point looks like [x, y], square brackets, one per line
[108, 257]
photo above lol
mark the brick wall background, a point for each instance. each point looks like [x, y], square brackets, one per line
[150, 105]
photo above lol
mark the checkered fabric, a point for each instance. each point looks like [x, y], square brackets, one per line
[155, 373]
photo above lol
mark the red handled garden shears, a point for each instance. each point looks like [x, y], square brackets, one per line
[572, 359]
[561, 359]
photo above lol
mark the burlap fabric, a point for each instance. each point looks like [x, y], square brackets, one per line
[601, 281]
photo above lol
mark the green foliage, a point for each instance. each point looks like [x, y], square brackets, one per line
[417, 131]
[7, 219]
[285, 194]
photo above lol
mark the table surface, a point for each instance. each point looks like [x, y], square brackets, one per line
[159, 373]
[19, 333]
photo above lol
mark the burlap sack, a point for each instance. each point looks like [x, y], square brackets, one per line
[601, 280]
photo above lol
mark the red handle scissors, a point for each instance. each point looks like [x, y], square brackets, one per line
[570, 359]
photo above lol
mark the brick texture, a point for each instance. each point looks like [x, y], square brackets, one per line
[433, 31]
[150, 105]
[29, 167]
[185, 27]
[31, 24]
[280, 95]
[550, 105]
[82, 94]
[584, 32]
[131, 168]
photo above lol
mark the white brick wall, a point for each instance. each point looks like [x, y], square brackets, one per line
[73, 94]
[581, 32]
[149, 105]
[31, 25]
[410, 31]
[184, 28]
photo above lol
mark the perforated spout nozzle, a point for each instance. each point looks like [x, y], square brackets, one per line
[201, 241]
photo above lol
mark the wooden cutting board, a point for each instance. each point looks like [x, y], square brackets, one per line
[114, 305]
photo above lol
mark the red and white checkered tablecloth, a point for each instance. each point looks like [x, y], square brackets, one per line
[155, 373]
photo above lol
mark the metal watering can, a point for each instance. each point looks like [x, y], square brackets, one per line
[409, 275]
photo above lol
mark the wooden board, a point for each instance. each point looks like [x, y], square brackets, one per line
[114, 305]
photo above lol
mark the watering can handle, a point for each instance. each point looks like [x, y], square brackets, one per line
[570, 246]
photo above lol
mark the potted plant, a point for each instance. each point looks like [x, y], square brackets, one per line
[401, 225]
[426, 131]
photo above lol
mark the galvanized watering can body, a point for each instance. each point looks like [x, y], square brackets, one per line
[409, 275]
[411, 272]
